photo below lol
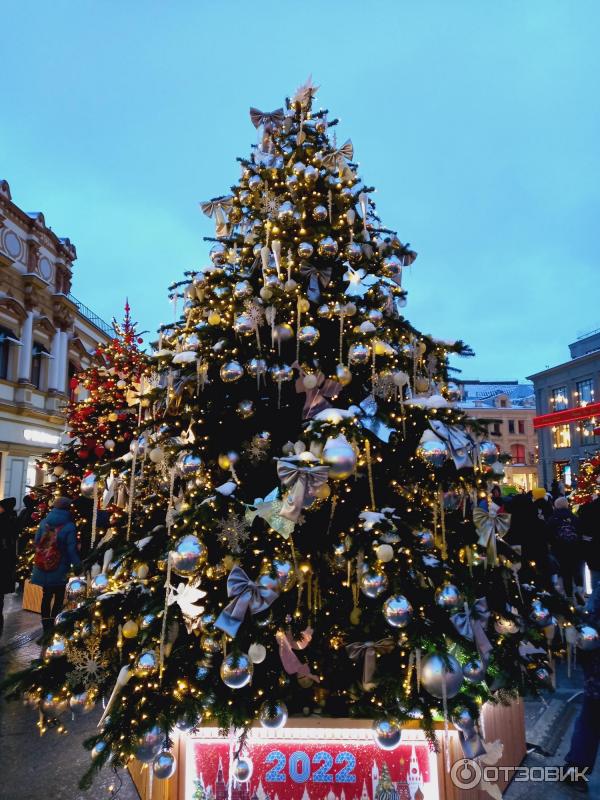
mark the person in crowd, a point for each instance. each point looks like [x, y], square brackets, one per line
[496, 496]
[565, 543]
[589, 523]
[24, 521]
[528, 535]
[586, 733]
[8, 551]
[55, 552]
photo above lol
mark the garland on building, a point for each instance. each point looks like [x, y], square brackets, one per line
[101, 417]
[308, 533]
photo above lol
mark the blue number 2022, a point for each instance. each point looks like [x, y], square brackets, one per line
[299, 767]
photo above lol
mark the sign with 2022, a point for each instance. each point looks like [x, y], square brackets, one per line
[313, 769]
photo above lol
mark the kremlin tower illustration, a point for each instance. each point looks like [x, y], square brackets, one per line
[382, 787]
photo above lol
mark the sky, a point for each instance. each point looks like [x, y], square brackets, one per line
[478, 122]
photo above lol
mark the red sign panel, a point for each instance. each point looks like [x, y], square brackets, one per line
[314, 769]
[566, 416]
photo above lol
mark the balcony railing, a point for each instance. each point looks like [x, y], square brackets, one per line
[93, 318]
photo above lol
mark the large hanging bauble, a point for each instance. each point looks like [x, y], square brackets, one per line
[242, 769]
[282, 373]
[308, 335]
[340, 457]
[373, 583]
[243, 324]
[305, 250]
[434, 452]
[146, 664]
[353, 252]
[76, 590]
[188, 464]
[130, 629]
[488, 453]
[544, 677]
[343, 375]
[327, 247]
[310, 175]
[53, 703]
[474, 670]
[210, 644]
[384, 553]
[86, 487]
[218, 254]
[359, 353]
[273, 715]
[387, 733]
[99, 584]
[435, 674]
[539, 614]
[291, 182]
[242, 289]
[257, 653]
[286, 211]
[298, 168]
[505, 625]
[285, 573]
[203, 669]
[283, 332]
[319, 213]
[397, 611]
[587, 638]
[188, 556]
[156, 455]
[149, 745]
[426, 539]
[448, 597]
[56, 649]
[81, 703]
[453, 392]
[254, 183]
[236, 670]
[231, 371]
[164, 765]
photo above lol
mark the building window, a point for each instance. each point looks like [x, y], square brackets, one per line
[511, 426]
[562, 472]
[558, 399]
[561, 436]
[517, 452]
[496, 429]
[521, 424]
[588, 428]
[4, 356]
[585, 392]
[38, 355]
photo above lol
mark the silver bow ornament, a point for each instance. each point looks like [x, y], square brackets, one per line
[459, 443]
[471, 623]
[302, 479]
[247, 596]
[317, 276]
[490, 526]
[369, 651]
[219, 208]
[339, 157]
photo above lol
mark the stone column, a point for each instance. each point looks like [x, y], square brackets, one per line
[24, 367]
[54, 362]
[62, 366]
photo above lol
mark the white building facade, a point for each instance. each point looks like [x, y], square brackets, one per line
[46, 336]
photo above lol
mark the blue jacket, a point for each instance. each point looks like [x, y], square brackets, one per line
[67, 544]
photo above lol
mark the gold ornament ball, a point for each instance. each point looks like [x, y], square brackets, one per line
[303, 305]
[113, 416]
[130, 629]
[214, 318]
[323, 492]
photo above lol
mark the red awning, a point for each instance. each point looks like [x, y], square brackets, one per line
[566, 416]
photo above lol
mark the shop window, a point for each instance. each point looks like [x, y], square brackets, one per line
[588, 432]
[511, 426]
[517, 452]
[521, 424]
[559, 399]
[561, 436]
[585, 392]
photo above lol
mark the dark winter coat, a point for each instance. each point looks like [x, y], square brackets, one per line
[589, 521]
[565, 553]
[8, 545]
[67, 544]
[24, 522]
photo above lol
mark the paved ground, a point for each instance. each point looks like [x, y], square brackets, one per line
[49, 767]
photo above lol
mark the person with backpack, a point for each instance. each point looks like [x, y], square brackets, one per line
[8, 551]
[55, 552]
[565, 543]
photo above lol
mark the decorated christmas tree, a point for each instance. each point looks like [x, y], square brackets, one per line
[101, 417]
[312, 532]
[588, 480]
